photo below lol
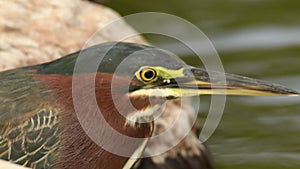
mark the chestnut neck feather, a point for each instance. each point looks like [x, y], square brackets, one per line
[77, 149]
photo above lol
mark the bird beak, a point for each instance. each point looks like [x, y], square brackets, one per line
[194, 81]
[197, 81]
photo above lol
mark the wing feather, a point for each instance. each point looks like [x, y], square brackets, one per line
[29, 124]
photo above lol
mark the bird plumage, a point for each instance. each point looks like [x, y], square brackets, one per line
[29, 133]
[189, 153]
[37, 109]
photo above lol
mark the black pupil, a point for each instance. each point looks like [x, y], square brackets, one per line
[149, 74]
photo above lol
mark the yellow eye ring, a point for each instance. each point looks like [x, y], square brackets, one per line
[148, 74]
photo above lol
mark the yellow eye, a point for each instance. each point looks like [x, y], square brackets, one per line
[147, 74]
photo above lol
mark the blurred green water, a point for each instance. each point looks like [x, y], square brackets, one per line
[254, 38]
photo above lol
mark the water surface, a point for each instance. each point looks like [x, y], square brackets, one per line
[254, 38]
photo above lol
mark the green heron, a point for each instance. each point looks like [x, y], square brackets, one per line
[41, 108]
